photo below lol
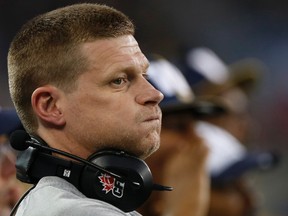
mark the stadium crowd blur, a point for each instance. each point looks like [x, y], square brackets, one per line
[233, 29]
[10, 188]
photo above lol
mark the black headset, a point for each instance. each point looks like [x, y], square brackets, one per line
[112, 176]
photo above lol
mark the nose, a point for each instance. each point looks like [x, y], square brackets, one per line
[148, 94]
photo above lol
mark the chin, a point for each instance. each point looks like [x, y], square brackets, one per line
[149, 151]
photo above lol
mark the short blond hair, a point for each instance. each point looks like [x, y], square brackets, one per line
[46, 50]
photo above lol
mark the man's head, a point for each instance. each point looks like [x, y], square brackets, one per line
[77, 78]
[47, 50]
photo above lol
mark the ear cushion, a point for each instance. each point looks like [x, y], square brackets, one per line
[23, 165]
[128, 191]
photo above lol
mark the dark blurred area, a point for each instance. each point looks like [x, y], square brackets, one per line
[233, 29]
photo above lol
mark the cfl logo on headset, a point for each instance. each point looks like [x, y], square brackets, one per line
[111, 184]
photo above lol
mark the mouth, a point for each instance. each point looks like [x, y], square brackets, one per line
[153, 118]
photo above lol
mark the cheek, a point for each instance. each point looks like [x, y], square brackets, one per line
[112, 106]
[104, 112]
[84, 104]
[82, 113]
[102, 115]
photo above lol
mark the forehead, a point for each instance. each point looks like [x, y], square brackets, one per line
[114, 51]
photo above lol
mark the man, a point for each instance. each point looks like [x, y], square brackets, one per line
[77, 78]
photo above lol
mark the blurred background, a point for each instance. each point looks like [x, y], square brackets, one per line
[233, 29]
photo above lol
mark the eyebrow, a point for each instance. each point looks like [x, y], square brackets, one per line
[145, 67]
[145, 64]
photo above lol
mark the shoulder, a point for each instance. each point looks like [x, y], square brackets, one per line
[55, 196]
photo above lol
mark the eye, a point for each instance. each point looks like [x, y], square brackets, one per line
[119, 81]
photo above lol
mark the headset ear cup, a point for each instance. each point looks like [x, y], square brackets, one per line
[128, 191]
[24, 161]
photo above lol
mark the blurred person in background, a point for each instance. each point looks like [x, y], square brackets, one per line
[10, 189]
[231, 86]
[181, 159]
[232, 193]
[228, 136]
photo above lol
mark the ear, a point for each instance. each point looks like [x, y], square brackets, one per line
[46, 104]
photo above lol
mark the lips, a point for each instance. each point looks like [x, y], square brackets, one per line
[152, 118]
[152, 115]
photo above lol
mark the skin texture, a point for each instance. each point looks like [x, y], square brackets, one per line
[113, 106]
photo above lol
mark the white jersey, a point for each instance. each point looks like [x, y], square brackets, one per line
[54, 196]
